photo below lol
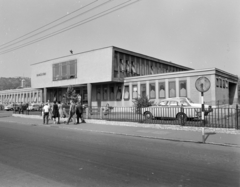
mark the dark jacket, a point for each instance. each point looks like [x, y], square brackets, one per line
[79, 109]
[55, 111]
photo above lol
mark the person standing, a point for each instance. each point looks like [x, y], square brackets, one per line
[72, 112]
[60, 109]
[55, 113]
[79, 111]
[45, 113]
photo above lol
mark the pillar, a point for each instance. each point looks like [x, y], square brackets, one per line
[89, 92]
[44, 95]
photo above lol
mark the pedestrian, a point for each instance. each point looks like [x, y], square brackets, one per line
[50, 110]
[60, 109]
[79, 111]
[45, 113]
[55, 113]
[72, 112]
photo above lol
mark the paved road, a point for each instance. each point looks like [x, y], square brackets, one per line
[51, 156]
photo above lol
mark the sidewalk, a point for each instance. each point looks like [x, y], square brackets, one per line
[227, 137]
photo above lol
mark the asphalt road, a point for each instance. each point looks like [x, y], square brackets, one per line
[50, 156]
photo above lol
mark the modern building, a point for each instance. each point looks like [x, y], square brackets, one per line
[117, 76]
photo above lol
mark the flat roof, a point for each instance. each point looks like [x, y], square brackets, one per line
[121, 50]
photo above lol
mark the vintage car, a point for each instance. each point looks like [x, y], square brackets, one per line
[34, 106]
[11, 107]
[181, 108]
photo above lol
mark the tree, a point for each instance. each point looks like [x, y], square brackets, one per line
[142, 101]
[71, 94]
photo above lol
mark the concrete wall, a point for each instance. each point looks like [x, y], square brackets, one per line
[93, 66]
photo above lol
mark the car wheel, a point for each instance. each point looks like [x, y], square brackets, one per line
[181, 118]
[148, 115]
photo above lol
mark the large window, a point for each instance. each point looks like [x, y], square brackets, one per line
[162, 92]
[65, 70]
[183, 88]
[126, 92]
[143, 90]
[172, 89]
[134, 91]
[152, 91]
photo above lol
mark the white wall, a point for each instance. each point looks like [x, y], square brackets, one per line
[92, 67]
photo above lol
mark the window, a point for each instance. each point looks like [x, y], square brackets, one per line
[105, 93]
[134, 91]
[173, 103]
[162, 93]
[115, 67]
[172, 89]
[119, 93]
[220, 80]
[126, 92]
[217, 82]
[65, 70]
[98, 96]
[143, 90]
[111, 93]
[224, 84]
[183, 88]
[133, 69]
[152, 91]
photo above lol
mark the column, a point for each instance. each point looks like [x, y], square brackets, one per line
[89, 92]
[44, 95]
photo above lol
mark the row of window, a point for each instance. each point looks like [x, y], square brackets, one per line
[221, 83]
[127, 65]
[65, 70]
[152, 90]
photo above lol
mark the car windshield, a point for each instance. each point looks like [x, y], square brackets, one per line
[190, 101]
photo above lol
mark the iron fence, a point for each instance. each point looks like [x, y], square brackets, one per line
[216, 117]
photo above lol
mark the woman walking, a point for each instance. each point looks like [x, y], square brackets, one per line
[55, 113]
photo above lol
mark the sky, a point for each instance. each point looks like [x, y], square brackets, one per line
[195, 33]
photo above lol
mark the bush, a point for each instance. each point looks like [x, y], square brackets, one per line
[142, 101]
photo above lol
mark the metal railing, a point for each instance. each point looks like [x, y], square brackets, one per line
[217, 118]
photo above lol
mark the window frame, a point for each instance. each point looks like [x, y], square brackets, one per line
[169, 89]
[150, 84]
[182, 81]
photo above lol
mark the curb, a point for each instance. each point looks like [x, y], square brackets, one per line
[144, 125]
[123, 134]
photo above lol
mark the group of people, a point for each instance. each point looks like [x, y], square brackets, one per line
[57, 111]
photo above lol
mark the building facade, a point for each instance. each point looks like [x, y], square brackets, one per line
[117, 76]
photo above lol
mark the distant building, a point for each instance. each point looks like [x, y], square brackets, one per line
[117, 76]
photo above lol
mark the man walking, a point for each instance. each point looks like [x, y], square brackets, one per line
[72, 112]
[79, 111]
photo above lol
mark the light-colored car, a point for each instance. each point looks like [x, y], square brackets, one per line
[10, 107]
[34, 106]
[180, 108]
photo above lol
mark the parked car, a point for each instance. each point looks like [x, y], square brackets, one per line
[11, 107]
[34, 106]
[181, 108]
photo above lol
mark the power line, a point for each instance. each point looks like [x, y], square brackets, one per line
[56, 25]
[71, 27]
[49, 23]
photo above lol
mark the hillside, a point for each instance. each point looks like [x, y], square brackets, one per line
[13, 82]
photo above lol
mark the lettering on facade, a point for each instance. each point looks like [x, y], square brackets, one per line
[41, 74]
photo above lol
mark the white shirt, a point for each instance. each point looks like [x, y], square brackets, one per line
[46, 108]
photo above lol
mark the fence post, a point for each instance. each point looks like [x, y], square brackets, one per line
[236, 117]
